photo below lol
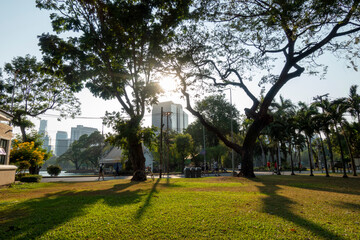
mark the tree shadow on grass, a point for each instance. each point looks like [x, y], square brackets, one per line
[32, 218]
[281, 206]
[146, 204]
[319, 183]
[349, 206]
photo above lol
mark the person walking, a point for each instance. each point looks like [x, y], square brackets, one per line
[101, 171]
[216, 168]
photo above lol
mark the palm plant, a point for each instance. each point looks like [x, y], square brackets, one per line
[322, 122]
[305, 117]
[354, 102]
[280, 128]
[337, 110]
[325, 106]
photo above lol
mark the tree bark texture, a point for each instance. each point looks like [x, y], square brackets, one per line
[136, 156]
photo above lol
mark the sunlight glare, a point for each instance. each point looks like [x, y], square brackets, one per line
[168, 84]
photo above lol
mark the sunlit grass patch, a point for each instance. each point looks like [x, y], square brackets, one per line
[268, 207]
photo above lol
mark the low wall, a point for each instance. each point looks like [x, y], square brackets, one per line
[7, 174]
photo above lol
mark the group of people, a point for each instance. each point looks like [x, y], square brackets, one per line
[268, 165]
[205, 169]
[102, 171]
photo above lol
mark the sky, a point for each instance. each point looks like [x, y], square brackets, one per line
[21, 22]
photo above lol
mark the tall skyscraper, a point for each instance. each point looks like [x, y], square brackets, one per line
[178, 119]
[43, 127]
[62, 143]
[45, 137]
[79, 130]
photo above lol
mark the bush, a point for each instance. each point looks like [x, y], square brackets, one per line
[53, 170]
[26, 155]
[31, 178]
[18, 176]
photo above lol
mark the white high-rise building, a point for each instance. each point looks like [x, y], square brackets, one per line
[178, 119]
[62, 143]
[79, 130]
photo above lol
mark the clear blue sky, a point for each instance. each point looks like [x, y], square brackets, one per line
[21, 23]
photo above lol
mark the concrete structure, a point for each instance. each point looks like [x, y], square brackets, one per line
[7, 171]
[115, 156]
[178, 120]
[62, 143]
[79, 130]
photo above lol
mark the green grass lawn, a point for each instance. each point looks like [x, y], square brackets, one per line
[268, 207]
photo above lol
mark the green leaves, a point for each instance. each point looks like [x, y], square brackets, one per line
[32, 90]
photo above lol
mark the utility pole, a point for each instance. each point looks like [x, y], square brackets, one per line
[232, 136]
[204, 149]
[167, 140]
[161, 132]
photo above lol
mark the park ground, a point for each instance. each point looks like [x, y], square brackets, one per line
[266, 207]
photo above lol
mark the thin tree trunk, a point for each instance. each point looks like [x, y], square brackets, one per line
[291, 160]
[299, 160]
[341, 152]
[328, 141]
[324, 154]
[262, 152]
[278, 160]
[310, 156]
[350, 151]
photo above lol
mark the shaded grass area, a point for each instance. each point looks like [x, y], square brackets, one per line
[268, 207]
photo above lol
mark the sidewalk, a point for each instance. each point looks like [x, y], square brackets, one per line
[95, 178]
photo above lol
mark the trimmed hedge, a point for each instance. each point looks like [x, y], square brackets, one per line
[31, 178]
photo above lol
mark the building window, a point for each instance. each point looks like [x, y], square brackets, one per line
[3, 153]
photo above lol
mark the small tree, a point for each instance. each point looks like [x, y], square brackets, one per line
[184, 145]
[26, 155]
[31, 91]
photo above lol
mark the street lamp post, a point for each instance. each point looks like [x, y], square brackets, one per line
[232, 133]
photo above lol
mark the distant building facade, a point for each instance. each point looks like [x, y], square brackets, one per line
[178, 119]
[79, 130]
[7, 171]
[45, 137]
[62, 143]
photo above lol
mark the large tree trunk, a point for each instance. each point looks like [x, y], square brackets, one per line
[136, 156]
[23, 133]
[247, 168]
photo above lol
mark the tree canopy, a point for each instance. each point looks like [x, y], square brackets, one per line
[279, 40]
[30, 91]
[115, 52]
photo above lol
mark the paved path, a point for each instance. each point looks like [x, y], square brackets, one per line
[94, 178]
